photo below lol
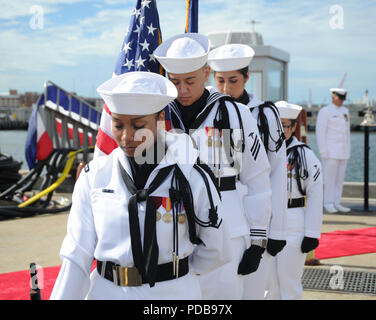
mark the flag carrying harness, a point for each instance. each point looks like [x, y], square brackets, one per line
[221, 121]
[263, 125]
[296, 159]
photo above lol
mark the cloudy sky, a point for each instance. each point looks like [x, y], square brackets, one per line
[75, 43]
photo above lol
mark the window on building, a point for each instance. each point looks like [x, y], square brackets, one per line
[275, 80]
[254, 84]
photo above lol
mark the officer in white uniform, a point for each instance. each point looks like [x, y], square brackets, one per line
[227, 137]
[333, 139]
[152, 226]
[304, 214]
[230, 65]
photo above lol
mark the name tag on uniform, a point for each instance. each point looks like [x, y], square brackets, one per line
[108, 191]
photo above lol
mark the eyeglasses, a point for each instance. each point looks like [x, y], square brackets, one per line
[287, 127]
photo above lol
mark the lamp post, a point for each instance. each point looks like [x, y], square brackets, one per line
[368, 121]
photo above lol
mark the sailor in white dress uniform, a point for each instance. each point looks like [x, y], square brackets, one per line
[333, 140]
[304, 214]
[228, 141]
[152, 227]
[230, 65]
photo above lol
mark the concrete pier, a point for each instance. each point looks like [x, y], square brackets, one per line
[38, 239]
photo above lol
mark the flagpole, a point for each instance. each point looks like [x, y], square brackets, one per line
[187, 16]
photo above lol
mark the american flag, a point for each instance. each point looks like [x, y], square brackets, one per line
[142, 38]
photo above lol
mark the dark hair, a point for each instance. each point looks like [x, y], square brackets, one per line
[243, 72]
[293, 121]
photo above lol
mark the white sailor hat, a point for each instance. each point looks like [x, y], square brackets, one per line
[230, 57]
[183, 53]
[288, 110]
[137, 93]
[340, 91]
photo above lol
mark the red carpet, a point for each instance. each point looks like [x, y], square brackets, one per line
[346, 243]
[16, 285]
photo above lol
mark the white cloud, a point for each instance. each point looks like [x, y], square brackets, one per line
[319, 54]
[14, 9]
[37, 50]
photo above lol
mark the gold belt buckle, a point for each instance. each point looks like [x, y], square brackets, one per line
[128, 277]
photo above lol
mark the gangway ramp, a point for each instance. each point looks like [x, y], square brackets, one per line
[71, 122]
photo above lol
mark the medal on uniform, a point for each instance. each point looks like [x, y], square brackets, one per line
[290, 167]
[158, 203]
[181, 217]
[167, 217]
[209, 133]
[166, 203]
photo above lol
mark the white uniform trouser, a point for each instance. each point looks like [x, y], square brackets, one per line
[286, 268]
[255, 283]
[286, 273]
[224, 283]
[334, 177]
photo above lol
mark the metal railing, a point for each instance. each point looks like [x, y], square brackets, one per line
[70, 121]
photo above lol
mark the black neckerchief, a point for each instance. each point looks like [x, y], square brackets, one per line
[244, 98]
[189, 113]
[145, 257]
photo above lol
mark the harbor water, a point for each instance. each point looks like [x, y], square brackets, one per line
[12, 142]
